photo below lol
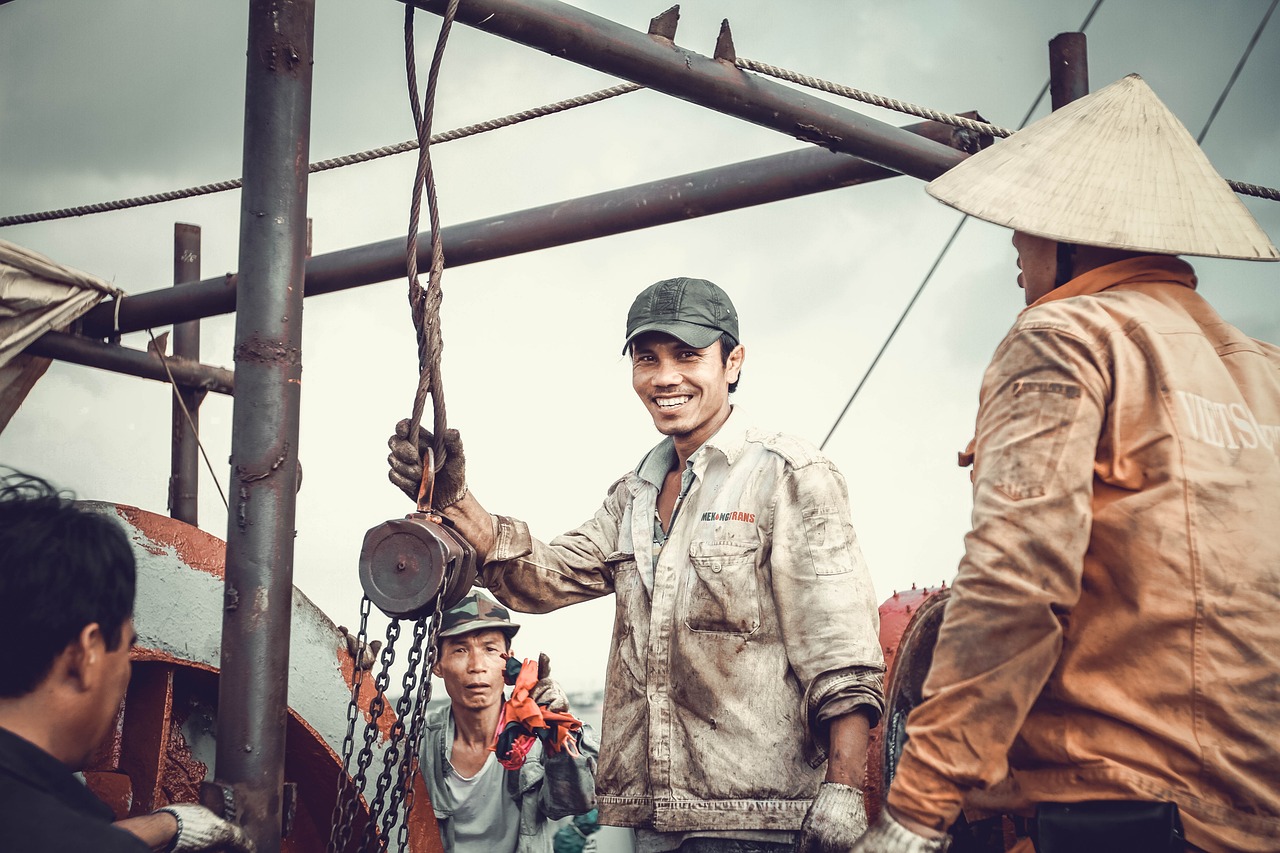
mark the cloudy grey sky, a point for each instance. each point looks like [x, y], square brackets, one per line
[122, 98]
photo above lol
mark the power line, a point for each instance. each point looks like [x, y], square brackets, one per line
[1044, 90]
[1236, 73]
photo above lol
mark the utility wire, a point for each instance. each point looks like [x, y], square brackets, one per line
[1044, 90]
[1236, 73]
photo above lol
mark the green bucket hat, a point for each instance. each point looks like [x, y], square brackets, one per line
[692, 310]
[476, 612]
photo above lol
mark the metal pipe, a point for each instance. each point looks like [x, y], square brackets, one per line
[253, 687]
[184, 458]
[1068, 68]
[656, 62]
[688, 196]
[132, 362]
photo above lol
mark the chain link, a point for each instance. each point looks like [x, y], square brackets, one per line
[410, 765]
[406, 730]
[391, 756]
[376, 707]
[344, 807]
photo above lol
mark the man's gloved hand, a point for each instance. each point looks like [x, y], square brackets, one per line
[889, 836]
[547, 691]
[200, 829]
[835, 820]
[406, 465]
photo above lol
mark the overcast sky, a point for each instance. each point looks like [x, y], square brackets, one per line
[114, 99]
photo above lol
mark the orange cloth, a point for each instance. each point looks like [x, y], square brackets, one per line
[1114, 629]
[520, 708]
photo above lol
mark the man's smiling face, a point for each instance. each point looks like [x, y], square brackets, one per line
[685, 389]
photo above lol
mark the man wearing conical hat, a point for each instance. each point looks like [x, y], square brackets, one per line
[1112, 643]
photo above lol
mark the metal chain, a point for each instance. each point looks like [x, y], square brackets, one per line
[344, 807]
[410, 766]
[391, 755]
[376, 706]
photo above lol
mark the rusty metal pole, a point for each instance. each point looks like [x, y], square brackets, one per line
[253, 688]
[738, 185]
[1068, 68]
[653, 60]
[184, 460]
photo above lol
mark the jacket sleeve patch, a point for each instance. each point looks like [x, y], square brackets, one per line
[1031, 421]
[828, 541]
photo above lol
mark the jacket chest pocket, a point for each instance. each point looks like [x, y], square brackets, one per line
[724, 593]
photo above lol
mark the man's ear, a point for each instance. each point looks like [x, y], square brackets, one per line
[733, 365]
[82, 658]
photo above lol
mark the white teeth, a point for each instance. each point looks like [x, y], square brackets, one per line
[670, 402]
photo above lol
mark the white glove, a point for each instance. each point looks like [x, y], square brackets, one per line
[548, 691]
[889, 836]
[836, 818]
[200, 829]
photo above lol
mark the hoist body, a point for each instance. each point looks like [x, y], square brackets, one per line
[403, 565]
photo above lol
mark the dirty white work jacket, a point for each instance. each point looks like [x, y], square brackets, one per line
[1114, 631]
[761, 613]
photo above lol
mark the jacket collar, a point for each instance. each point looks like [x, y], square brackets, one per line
[729, 441]
[1129, 271]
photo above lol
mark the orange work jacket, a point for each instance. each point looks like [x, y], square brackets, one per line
[1114, 629]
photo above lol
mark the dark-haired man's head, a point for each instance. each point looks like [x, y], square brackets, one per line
[67, 583]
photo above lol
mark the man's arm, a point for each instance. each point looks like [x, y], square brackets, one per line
[523, 573]
[825, 601]
[475, 524]
[1043, 402]
[155, 830]
[187, 828]
[847, 738]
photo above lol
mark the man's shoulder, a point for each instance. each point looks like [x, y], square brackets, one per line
[792, 450]
[36, 821]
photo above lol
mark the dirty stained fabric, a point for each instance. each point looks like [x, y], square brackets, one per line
[1114, 630]
[37, 294]
[760, 618]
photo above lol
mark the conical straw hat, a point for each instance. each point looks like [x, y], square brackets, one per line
[1115, 169]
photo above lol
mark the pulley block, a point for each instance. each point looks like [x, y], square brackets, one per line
[403, 563]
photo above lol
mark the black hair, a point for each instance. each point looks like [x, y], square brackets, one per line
[728, 343]
[62, 567]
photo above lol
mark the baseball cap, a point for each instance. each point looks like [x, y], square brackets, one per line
[690, 309]
[476, 612]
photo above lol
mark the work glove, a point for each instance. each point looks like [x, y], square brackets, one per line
[547, 691]
[836, 819]
[200, 829]
[406, 465]
[889, 836]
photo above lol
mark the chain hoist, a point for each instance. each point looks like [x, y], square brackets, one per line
[412, 568]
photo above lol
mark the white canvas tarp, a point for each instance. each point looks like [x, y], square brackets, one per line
[37, 294]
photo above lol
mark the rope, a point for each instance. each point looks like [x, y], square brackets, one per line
[333, 163]
[424, 303]
[947, 118]
[190, 421]
[871, 98]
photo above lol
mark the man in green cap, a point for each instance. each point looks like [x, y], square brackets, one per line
[1109, 661]
[480, 806]
[745, 670]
